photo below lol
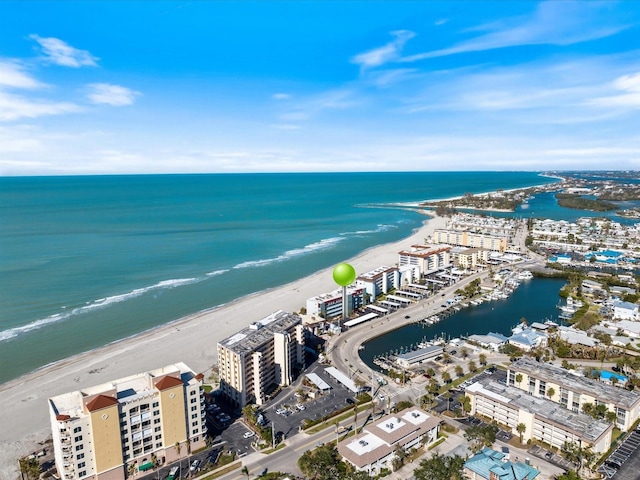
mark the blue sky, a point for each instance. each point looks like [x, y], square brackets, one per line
[166, 87]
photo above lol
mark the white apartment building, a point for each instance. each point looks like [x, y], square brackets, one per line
[110, 431]
[379, 281]
[464, 238]
[329, 305]
[428, 258]
[260, 357]
[543, 419]
[572, 391]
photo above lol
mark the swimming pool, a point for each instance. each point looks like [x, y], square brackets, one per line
[605, 375]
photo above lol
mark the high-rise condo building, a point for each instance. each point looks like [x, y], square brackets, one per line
[110, 431]
[261, 357]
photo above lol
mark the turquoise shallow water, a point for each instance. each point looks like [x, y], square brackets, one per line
[85, 261]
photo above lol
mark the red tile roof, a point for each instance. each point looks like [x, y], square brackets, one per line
[168, 382]
[100, 402]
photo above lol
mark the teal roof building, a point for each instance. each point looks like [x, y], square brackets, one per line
[492, 465]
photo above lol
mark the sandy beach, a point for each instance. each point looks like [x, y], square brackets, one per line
[25, 416]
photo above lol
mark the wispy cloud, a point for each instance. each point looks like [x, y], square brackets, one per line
[13, 75]
[114, 95]
[629, 85]
[385, 54]
[60, 53]
[281, 96]
[552, 23]
[14, 107]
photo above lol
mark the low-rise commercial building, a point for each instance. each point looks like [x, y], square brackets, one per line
[261, 357]
[411, 359]
[543, 419]
[488, 464]
[374, 448]
[573, 391]
[110, 431]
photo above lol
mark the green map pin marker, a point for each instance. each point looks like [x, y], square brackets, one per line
[344, 274]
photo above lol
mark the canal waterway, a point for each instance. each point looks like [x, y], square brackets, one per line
[536, 300]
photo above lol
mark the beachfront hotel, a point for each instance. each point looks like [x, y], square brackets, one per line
[464, 238]
[113, 430]
[544, 420]
[375, 447]
[261, 357]
[573, 391]
[379, 281]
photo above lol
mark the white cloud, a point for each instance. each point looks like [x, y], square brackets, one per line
[286, 126]
[552, 23]
[60, 53]
[14, 107]
[385, 54]
[630, 99]
[281, 96]
[114, 95]
[13, 75]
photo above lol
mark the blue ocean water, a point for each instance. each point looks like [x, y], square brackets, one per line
[85, 261]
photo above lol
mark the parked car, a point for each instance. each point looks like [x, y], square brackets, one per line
[248, 434]
[350, 401]
[194, 465]
[300, 407]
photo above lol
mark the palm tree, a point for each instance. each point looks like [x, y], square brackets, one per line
[178, 448]
[521, 428]
[472, 366]
[459, 370]
[464, 352]
[482, 358]
[446, 376]
[551, 392]
[245, 471]
[131, 469]
[518, 378]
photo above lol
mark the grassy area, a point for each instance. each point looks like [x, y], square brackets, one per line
[339, 417]
[222, 471]
[437, 442]
[271, 450]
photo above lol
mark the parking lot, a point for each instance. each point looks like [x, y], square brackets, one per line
[624, 462]
[551, 457]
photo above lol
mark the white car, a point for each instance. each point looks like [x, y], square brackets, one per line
[280, 411]
[248, 434]
[300, 407]
[381, 397]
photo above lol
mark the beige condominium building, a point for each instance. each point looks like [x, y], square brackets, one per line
[113, 430]
[428, 258]
[543, 419]
[256, 360]
[463, 238]
[573, 391]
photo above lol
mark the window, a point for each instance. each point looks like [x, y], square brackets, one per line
[194, 400]
[158, 437]
[156, 404]
[157, 429]
[156, 412]
[195, 431]
[159, 445]
[77, 429]
[156, 421]
[137, 452]
[194, 424]
[80, 456]
[194, 408]
[79, 447]
[542, 389]
[78, 438]
[195, 415]
[81, 465]
[81, 474]
[133, 410]
[193, 392]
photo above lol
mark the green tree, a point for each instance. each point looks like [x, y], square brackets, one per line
[570, 475]
[521, 428]
[481, 436]
[322, 463]
[440, 467]
[551, 392]
[446, 377]
[464, 351]
[459, 370]
[245, 471]
[482, 358]
[472, 366]
[518, 378]
[30, 467]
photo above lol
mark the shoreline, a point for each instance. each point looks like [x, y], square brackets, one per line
[191, 339]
